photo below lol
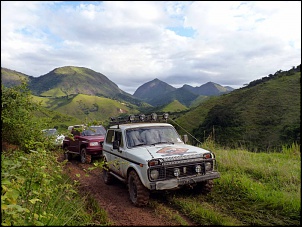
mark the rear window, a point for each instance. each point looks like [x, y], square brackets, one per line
[94, 131]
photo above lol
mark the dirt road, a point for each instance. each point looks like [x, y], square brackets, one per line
[114, 198]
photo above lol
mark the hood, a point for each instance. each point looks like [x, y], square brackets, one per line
[168, 151]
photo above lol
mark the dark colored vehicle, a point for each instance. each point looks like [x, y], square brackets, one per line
[84, 141]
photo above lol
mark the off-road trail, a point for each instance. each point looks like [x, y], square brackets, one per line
[114, 198]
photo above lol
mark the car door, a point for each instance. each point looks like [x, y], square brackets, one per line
[118, 155]
[74, 142]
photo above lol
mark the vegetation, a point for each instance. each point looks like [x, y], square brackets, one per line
[36, 192]
[18, 126]
[263, 117]
[34, 189]
[87, 107]
[255, 188]
[12, 78]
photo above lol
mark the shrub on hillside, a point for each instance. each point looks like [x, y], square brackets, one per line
[19, 127]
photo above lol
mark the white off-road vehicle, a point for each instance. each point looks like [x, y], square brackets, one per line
[149, 155]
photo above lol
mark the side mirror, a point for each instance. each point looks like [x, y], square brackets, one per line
[185, 138]
[116, 144]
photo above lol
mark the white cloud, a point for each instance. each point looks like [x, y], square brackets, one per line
[131, 43]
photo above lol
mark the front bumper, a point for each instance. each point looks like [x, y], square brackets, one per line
[177, 182]
[94, 150]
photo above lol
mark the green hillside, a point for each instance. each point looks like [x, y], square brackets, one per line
[174, 106]
[54, 92]
[184, 96]
[11, 78]
[89, 108]
[200, 99]
[260, 117]
[40, 189]
[264, 115]
[70, 80]
[52, 118]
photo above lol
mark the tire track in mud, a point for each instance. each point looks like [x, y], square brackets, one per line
[114, 199]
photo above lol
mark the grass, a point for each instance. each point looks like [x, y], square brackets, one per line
[254, 189]
[168, 213]
[36, 192]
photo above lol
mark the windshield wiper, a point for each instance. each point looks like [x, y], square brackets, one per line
[139, 144]
[162, 142]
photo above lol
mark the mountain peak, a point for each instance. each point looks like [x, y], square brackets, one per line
[208, 89]
[147, 90]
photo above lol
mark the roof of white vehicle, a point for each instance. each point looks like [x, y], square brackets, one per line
[137, 125]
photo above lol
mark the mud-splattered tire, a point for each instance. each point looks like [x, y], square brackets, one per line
[84, 157]
[67, 155]
[88, 158]
[139, 194]
[107, 177]
[204, 187]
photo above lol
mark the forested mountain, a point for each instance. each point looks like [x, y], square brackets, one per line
[263, 115]
[208, 89]
[186, 95]
[69, 81]
[146, 91]
[10, 78]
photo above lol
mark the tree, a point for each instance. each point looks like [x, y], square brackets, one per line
[19, 127]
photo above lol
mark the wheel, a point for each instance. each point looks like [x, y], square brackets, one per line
[204, 187]
[67, 155]
[84, 157]
[107, 177]
[139, 194]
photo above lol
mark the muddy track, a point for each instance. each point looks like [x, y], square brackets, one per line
[114, 198]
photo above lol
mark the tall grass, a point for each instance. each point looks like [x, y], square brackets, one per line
[254, 189]
[36, 192]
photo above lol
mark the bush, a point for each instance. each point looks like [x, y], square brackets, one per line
[19, 126]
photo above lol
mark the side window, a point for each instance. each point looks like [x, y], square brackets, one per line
[75, 132]
[110, 136]
[118, 136]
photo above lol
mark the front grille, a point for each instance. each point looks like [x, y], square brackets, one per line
[186, 169]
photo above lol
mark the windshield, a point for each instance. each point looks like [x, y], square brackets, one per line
[94, 131]
[151, 136]
[50, 132]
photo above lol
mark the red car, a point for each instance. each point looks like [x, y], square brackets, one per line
[86, 141]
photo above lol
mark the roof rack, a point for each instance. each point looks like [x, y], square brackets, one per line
[139, 118]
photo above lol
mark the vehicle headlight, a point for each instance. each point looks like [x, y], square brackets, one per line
[198, 168]
[93, 144]
[208, 166]
[207, 155]
[154, 174]
[176, 172]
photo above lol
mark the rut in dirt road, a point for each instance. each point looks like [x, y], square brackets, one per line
[114, 199]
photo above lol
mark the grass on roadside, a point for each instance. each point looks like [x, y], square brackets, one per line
[254, 189]
[36, 192]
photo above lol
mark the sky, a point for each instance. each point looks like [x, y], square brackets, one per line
[230, 43]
